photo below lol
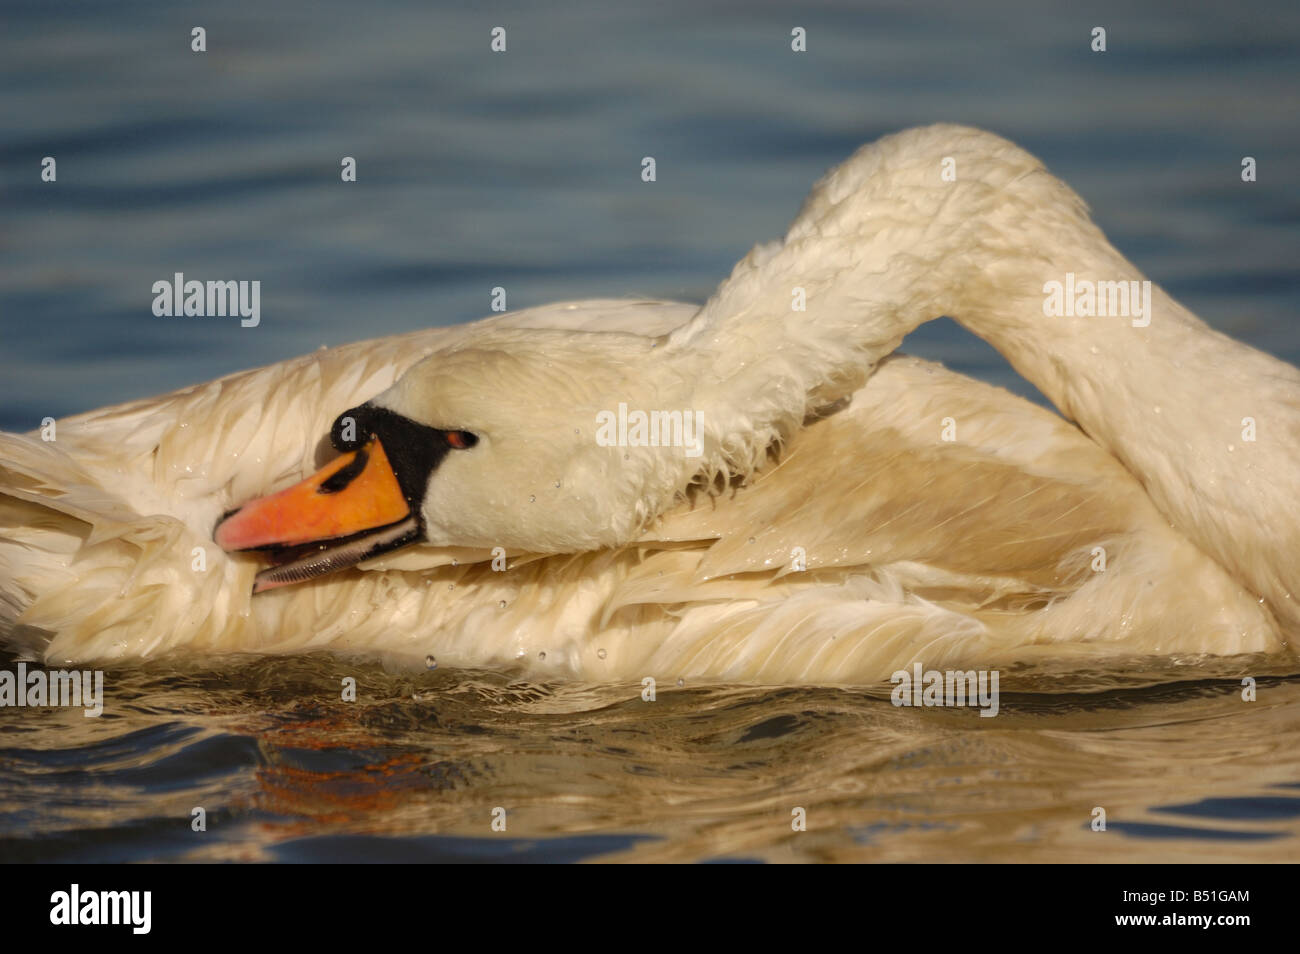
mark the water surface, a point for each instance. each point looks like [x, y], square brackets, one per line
[286, 770]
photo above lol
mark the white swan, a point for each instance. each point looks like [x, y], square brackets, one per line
[826, 533]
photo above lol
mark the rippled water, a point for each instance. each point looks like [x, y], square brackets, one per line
[522, 171]
[412, 770]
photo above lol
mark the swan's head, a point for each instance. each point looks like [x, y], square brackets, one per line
[500, 443]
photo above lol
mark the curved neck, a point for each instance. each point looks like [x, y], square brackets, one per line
[886, 242]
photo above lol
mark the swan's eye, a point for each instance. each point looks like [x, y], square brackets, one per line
[461, 440]
[351, 429]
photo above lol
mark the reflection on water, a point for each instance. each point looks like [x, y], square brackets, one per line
[413, 769]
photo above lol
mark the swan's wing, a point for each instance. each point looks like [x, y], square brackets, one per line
[951, 521]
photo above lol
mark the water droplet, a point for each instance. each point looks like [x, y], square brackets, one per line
[502, 604]
[557, 484]
[430, 662]
[542, 655]
[450, 587]
[576, 431]
[681, 682]
[600, 653]
[751, 539]
[455, 563]
[532, 498]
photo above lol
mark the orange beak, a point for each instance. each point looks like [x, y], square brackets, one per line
[351, 509]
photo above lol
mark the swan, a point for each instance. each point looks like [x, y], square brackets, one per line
[442, 496]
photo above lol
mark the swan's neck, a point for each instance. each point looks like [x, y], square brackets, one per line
[886, 242]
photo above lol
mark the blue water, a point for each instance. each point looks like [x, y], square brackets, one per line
[522, 170]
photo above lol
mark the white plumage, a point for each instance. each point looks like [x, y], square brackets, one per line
[828, 533]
